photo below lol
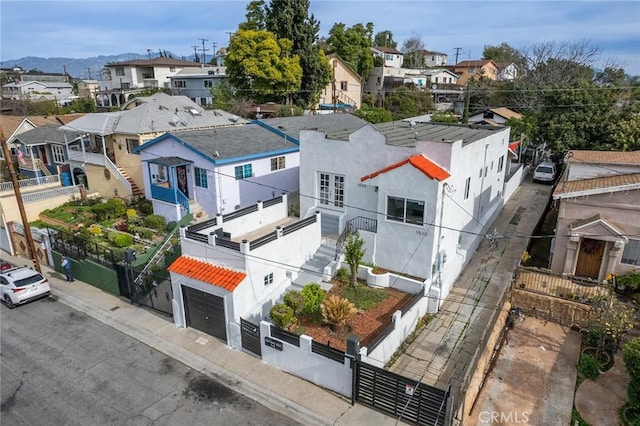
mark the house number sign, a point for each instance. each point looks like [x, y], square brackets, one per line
[273, 343]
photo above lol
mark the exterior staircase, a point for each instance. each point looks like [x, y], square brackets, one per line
[313, 270]
[136, 191]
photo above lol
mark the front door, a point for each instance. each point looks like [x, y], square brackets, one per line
[590, 258]
[331, 190]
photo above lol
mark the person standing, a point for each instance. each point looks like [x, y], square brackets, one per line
[66, 265]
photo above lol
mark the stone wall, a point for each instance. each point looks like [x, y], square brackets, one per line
[561, 311]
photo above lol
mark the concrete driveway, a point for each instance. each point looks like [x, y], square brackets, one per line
[533, 380]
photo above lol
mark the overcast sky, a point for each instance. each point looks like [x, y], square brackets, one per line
[87, 28]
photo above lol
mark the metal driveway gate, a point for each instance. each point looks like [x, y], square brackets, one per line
[398, 396]
[250, 334]
[205, 312]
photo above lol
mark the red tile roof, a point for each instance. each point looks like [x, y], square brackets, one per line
[610, 157]
[208, 273]
[420, 162]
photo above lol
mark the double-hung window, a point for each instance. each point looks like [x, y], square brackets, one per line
[405, 210]
[58, 153]
[631, 253]
[277, 163]
[201, 177]
[244, 171]
[132, 144]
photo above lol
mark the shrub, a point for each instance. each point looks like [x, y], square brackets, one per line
[102, 211]
[295, 301]
[123, 240]
[588, 367]
[313, 296]
[282, 315]
[631, 357]
[630, 280]
[343, 275]
[132, 215]
[145, 207]
[118, 207]
[154, 221]
[95, 230]
[336, 310]
[171, 225]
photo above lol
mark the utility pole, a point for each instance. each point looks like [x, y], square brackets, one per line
[89, 71]
[334, 98]
[458, 49]
[149, 53]
[467, 100]
[231, 33]
[215, 57]
[195, 53]
[204, 50]
[23, 213]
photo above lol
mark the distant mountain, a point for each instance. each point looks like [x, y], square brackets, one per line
[77, 68]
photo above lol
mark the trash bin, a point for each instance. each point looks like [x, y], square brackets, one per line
[66, 178]
[82, 180]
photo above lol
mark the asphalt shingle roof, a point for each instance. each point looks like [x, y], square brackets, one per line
[46, 134]
[336, 126]
[402, 133]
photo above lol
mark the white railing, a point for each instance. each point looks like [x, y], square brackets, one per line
[64, 191]
[115, 172]
[27, 183]
[87, 157]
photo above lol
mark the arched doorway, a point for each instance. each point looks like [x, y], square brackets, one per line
[80, 177]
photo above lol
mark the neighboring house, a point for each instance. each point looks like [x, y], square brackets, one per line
[196, 83]
[222, 170]
[431, 59]
[130, 77]
[421, 195]
[391, 56]
[43, 151]
[44, 77]
[37, 90]
[345, 91]
[494, 116]
[478, 69]
[114, 136]
[88, 89]
[598, 203]
[507, 71]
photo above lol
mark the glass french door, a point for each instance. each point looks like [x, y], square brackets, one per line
[331, 190]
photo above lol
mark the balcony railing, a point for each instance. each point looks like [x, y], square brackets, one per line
[28, 183]
[170, 195]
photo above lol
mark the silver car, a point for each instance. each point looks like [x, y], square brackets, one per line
[545, 172]
[21, 285]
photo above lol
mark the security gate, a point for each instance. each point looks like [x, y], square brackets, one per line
[398, 396]
[205, 312]
[250, 334]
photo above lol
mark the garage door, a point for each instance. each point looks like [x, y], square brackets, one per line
[205, 312]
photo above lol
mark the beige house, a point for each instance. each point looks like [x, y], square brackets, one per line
[475, 69]
[598, 204]
[345, 91]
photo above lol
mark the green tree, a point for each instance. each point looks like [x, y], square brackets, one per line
[385, 39]
[263, 67]
[505, 53]
[412, 47]
[404, 102]
[290, 19]
[353, 253]
[255, 17]
[444, 117]
[84, 105]
[353, 45]
[374, 115]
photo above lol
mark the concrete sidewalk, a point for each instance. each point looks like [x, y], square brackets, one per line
[298, 399]
[440, 355]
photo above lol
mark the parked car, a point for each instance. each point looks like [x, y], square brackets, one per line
[21, 285]
[4, 265]
[545, 172]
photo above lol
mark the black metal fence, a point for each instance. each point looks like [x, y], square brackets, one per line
[327, 351]
[285, 336]
[80, 249]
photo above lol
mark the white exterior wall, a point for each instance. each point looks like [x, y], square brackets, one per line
[579, 171]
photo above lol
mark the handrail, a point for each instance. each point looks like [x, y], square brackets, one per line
[25, 183]
[42, 167]
[183, 200]
[116, 172]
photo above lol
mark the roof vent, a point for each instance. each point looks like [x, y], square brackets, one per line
[194, 112]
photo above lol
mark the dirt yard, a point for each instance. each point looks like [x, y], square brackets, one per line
[533, 380]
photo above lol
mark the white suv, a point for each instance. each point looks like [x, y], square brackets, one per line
[21, 285]
[545, 172]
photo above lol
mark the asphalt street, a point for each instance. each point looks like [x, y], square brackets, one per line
[61, 367]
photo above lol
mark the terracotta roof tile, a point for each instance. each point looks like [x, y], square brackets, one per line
[420, 162]
[595, 183]
[610, 157]
[208, 273]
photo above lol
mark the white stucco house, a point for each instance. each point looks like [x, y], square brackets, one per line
[391, 56]
[196, 83]
[37, 90]
[222, 170]
[421, 195]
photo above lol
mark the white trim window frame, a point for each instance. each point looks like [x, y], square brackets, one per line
[57, 153]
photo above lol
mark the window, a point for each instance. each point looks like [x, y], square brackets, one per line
[467, 186]
[208, 83]
[277, 163]
[201, 177]
[172, 69]
[500, 164]
[120, 71]
[132, 144]
[631, 253]
[405, 210]
[480, 173]
[388, 57]
[180, 84]
[58, 153]
[343, 85]
[203, 101]
[243, 172]
[435, 79]
[268, 279]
